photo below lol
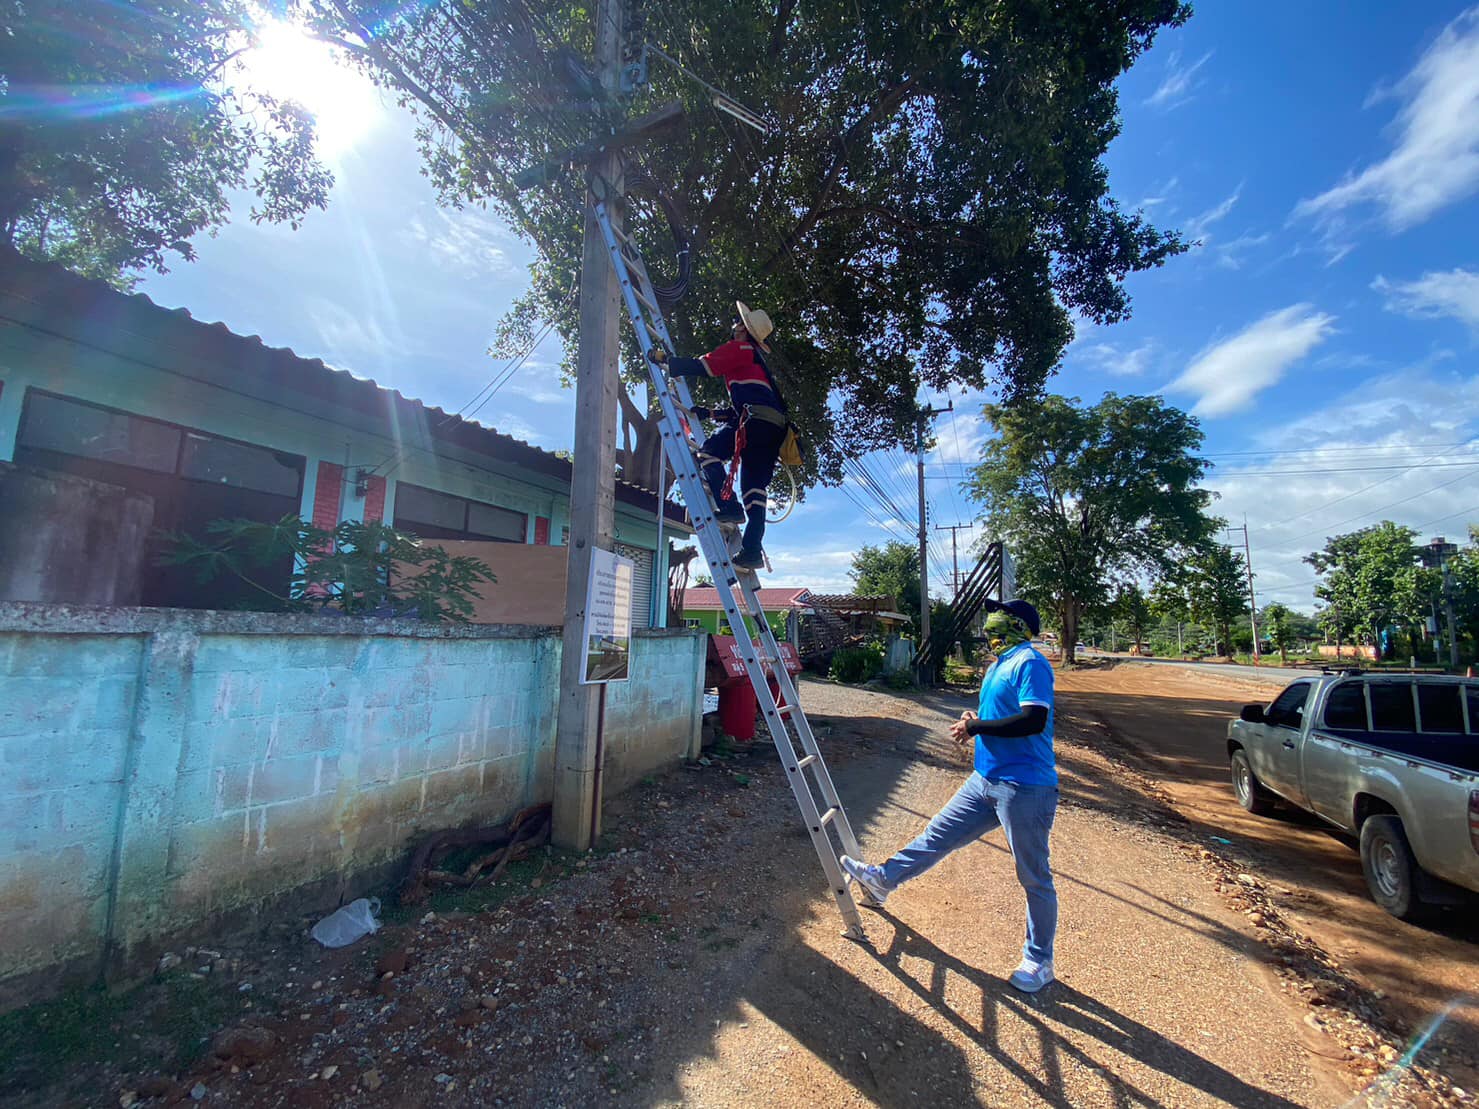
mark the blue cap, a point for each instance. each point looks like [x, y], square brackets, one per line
[1022, 611]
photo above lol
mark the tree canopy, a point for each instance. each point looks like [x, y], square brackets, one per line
[1371, 578]
[1088, 498]
[929, 205]
[891, 570]
[120, 140]
[1216, 584]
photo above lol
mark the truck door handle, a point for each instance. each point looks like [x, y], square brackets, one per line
[1289, 743]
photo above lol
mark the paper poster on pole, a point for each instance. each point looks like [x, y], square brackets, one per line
[608, 619]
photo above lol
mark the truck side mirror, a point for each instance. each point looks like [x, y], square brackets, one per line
[1252, 714]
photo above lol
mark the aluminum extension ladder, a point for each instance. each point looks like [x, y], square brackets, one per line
[799, 752]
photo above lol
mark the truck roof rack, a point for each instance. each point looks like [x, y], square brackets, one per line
[1344, 671]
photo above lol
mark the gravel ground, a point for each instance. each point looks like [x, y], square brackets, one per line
[697, 959]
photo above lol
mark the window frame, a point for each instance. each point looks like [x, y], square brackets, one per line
[183, 430]
[467, 503]
[1308, 689]
[1412, 704]
[1419, 684]
[1363, 688]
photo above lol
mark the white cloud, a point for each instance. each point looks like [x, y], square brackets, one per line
[1227, 376]
[1198, 228]
[1415, 420]
[351, 339]
[824, 571]
[542, 389]
[1435, 160]
[1455, 293]
[1117, 363]
[959, 437]
[1164, 192]
[469, 243]
[1231, 255]
[1179, 82]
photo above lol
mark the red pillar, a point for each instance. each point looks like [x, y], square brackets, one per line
[737, 708]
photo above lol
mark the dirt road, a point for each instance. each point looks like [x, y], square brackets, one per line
[1173, 723]
[696, 959]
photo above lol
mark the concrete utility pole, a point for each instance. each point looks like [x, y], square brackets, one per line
[577, 785]
[1252, 598]
[954, 555]
[924, 571]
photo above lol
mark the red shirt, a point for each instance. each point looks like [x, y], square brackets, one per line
[738, 365]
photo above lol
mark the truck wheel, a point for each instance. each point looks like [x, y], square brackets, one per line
[1391, 870]
[1251, 795]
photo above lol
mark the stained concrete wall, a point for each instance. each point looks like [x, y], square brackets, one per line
[65, 538]
[166, 770]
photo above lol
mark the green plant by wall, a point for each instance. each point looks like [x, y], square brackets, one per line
[362, 569]
[856, 664]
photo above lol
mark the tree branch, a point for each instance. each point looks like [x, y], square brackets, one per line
[884, 106]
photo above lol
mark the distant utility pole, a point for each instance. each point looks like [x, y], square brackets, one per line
[1436, 555]
[924, 572]
[1252, 599]
[577, 784]
[954, 556]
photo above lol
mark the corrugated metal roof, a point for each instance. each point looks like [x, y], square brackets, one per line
[53, 300]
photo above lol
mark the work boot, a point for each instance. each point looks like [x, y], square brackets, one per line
[749, 560]
[727, 509]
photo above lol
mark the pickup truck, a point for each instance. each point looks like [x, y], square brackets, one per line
[1392, 759]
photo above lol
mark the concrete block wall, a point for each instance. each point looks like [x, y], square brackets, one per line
[166, 769]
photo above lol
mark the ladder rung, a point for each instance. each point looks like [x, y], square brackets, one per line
[802, 764]
[785, 710]
[830, 815]
[643, 300]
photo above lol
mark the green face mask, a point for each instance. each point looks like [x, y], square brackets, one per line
[1004, 631]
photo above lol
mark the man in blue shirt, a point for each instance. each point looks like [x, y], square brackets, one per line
[1014, 786]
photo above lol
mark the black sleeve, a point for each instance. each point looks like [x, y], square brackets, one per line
[687, 367]
[1030, 721]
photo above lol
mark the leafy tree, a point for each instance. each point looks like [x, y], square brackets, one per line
[1372, 578]
[1089, 497]
[1217, 591]
[930, 203]
[1132, 608]
[891, 570]
[1277, 623]
[357, 568]
[120, 138]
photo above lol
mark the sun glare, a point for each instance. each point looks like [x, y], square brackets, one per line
[288, 64]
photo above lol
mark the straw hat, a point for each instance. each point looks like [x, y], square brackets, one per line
[756, 322]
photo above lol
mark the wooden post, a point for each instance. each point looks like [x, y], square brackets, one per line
[577, 780]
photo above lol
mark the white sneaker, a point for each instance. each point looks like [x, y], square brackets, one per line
[869, 877]
[1031, 975]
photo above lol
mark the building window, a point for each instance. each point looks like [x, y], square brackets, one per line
[641, 583]
[433, 515]
[192, 477]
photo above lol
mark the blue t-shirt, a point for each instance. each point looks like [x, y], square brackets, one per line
[1018, 678]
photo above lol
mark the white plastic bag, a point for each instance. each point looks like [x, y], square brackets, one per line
[348, 923]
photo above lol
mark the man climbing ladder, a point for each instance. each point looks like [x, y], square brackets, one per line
[806, 771]
[754, 427]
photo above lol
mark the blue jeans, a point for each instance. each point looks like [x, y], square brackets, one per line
[979, 806]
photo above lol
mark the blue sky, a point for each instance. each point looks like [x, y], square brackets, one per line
[1325, 154]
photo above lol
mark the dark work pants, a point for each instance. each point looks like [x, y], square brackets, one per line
[757, 467]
